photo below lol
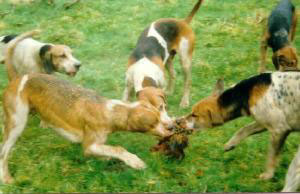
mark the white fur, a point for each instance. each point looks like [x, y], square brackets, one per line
[283, 112]
[279, 111]
[153, 33]
[164, 117]
[19, 118]
[184, 49]
[112, 103]
[68, 135]
[2, 46]
[190, 124]
[26, 58]
[144, 68]
[160, 130]
[117, 152]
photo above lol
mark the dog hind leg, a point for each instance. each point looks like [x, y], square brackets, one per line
[294, 26]
[292, 179]
[15, 122]
[171, 72]
[185, 53]
[277, 140]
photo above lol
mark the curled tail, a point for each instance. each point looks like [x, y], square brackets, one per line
[189, 18]
[11, 70]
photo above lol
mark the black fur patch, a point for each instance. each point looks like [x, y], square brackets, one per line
[168, 30]
[238, 96]
[44, 49]
[47, 59]
[8, 38]
[279, 24]
[149, 46]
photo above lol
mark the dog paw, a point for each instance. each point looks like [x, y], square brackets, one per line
[135, 162]
[266, 175]
[8, 179]
[228, 147]
[184, 103]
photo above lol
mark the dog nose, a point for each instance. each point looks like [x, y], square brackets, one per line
[77, 65]
[178, 121]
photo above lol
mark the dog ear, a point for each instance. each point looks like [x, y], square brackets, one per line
[216, 119]
[219, 87]
[275, 61]
[46, 58]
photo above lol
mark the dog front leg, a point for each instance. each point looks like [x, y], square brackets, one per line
[127, 94]
[186, 66]
[171, 72]
[263, 52]
[292, 179]
[277, 140]
[116, 152]
[294, 25]
[243, 133]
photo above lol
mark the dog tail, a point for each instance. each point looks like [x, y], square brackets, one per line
[189, 18]
[11, 70]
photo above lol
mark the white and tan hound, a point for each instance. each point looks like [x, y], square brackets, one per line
[32, 56]
[155, 49]
[271, 99]
[78, 114]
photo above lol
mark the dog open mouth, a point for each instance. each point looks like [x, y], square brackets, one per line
[72, 74]
[174, 145]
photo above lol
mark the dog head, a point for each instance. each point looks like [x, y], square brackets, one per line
[157, 98]
[285, 59]
[206, 113]
[146, 118]
[59, 58]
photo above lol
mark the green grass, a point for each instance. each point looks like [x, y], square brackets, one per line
[102, 34]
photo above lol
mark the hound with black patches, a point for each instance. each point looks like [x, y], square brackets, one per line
[32, 56]
[278, 35]
[156, 49]
[78, 114]
[271, 99]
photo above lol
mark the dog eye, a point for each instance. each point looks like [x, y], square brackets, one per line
[193, 115]
[161, 107]
[63, 56]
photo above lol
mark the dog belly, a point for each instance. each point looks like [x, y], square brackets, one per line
[69, 135]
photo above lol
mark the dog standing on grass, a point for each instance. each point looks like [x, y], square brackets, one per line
[155, 50]
[272, 99]
[78, 114]
[32, 56]
[278, 35]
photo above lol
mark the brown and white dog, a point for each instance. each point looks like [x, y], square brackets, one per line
[78, 114]
[272, 99]
[156, 49]
[278, 35]
[32, 56]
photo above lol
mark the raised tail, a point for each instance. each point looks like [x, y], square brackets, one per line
[11, 70]
[189, 18]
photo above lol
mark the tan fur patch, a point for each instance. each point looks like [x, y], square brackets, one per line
[256, 94]
[286, 59]
[154, 96]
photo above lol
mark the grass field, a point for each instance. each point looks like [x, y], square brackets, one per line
[102, 34]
